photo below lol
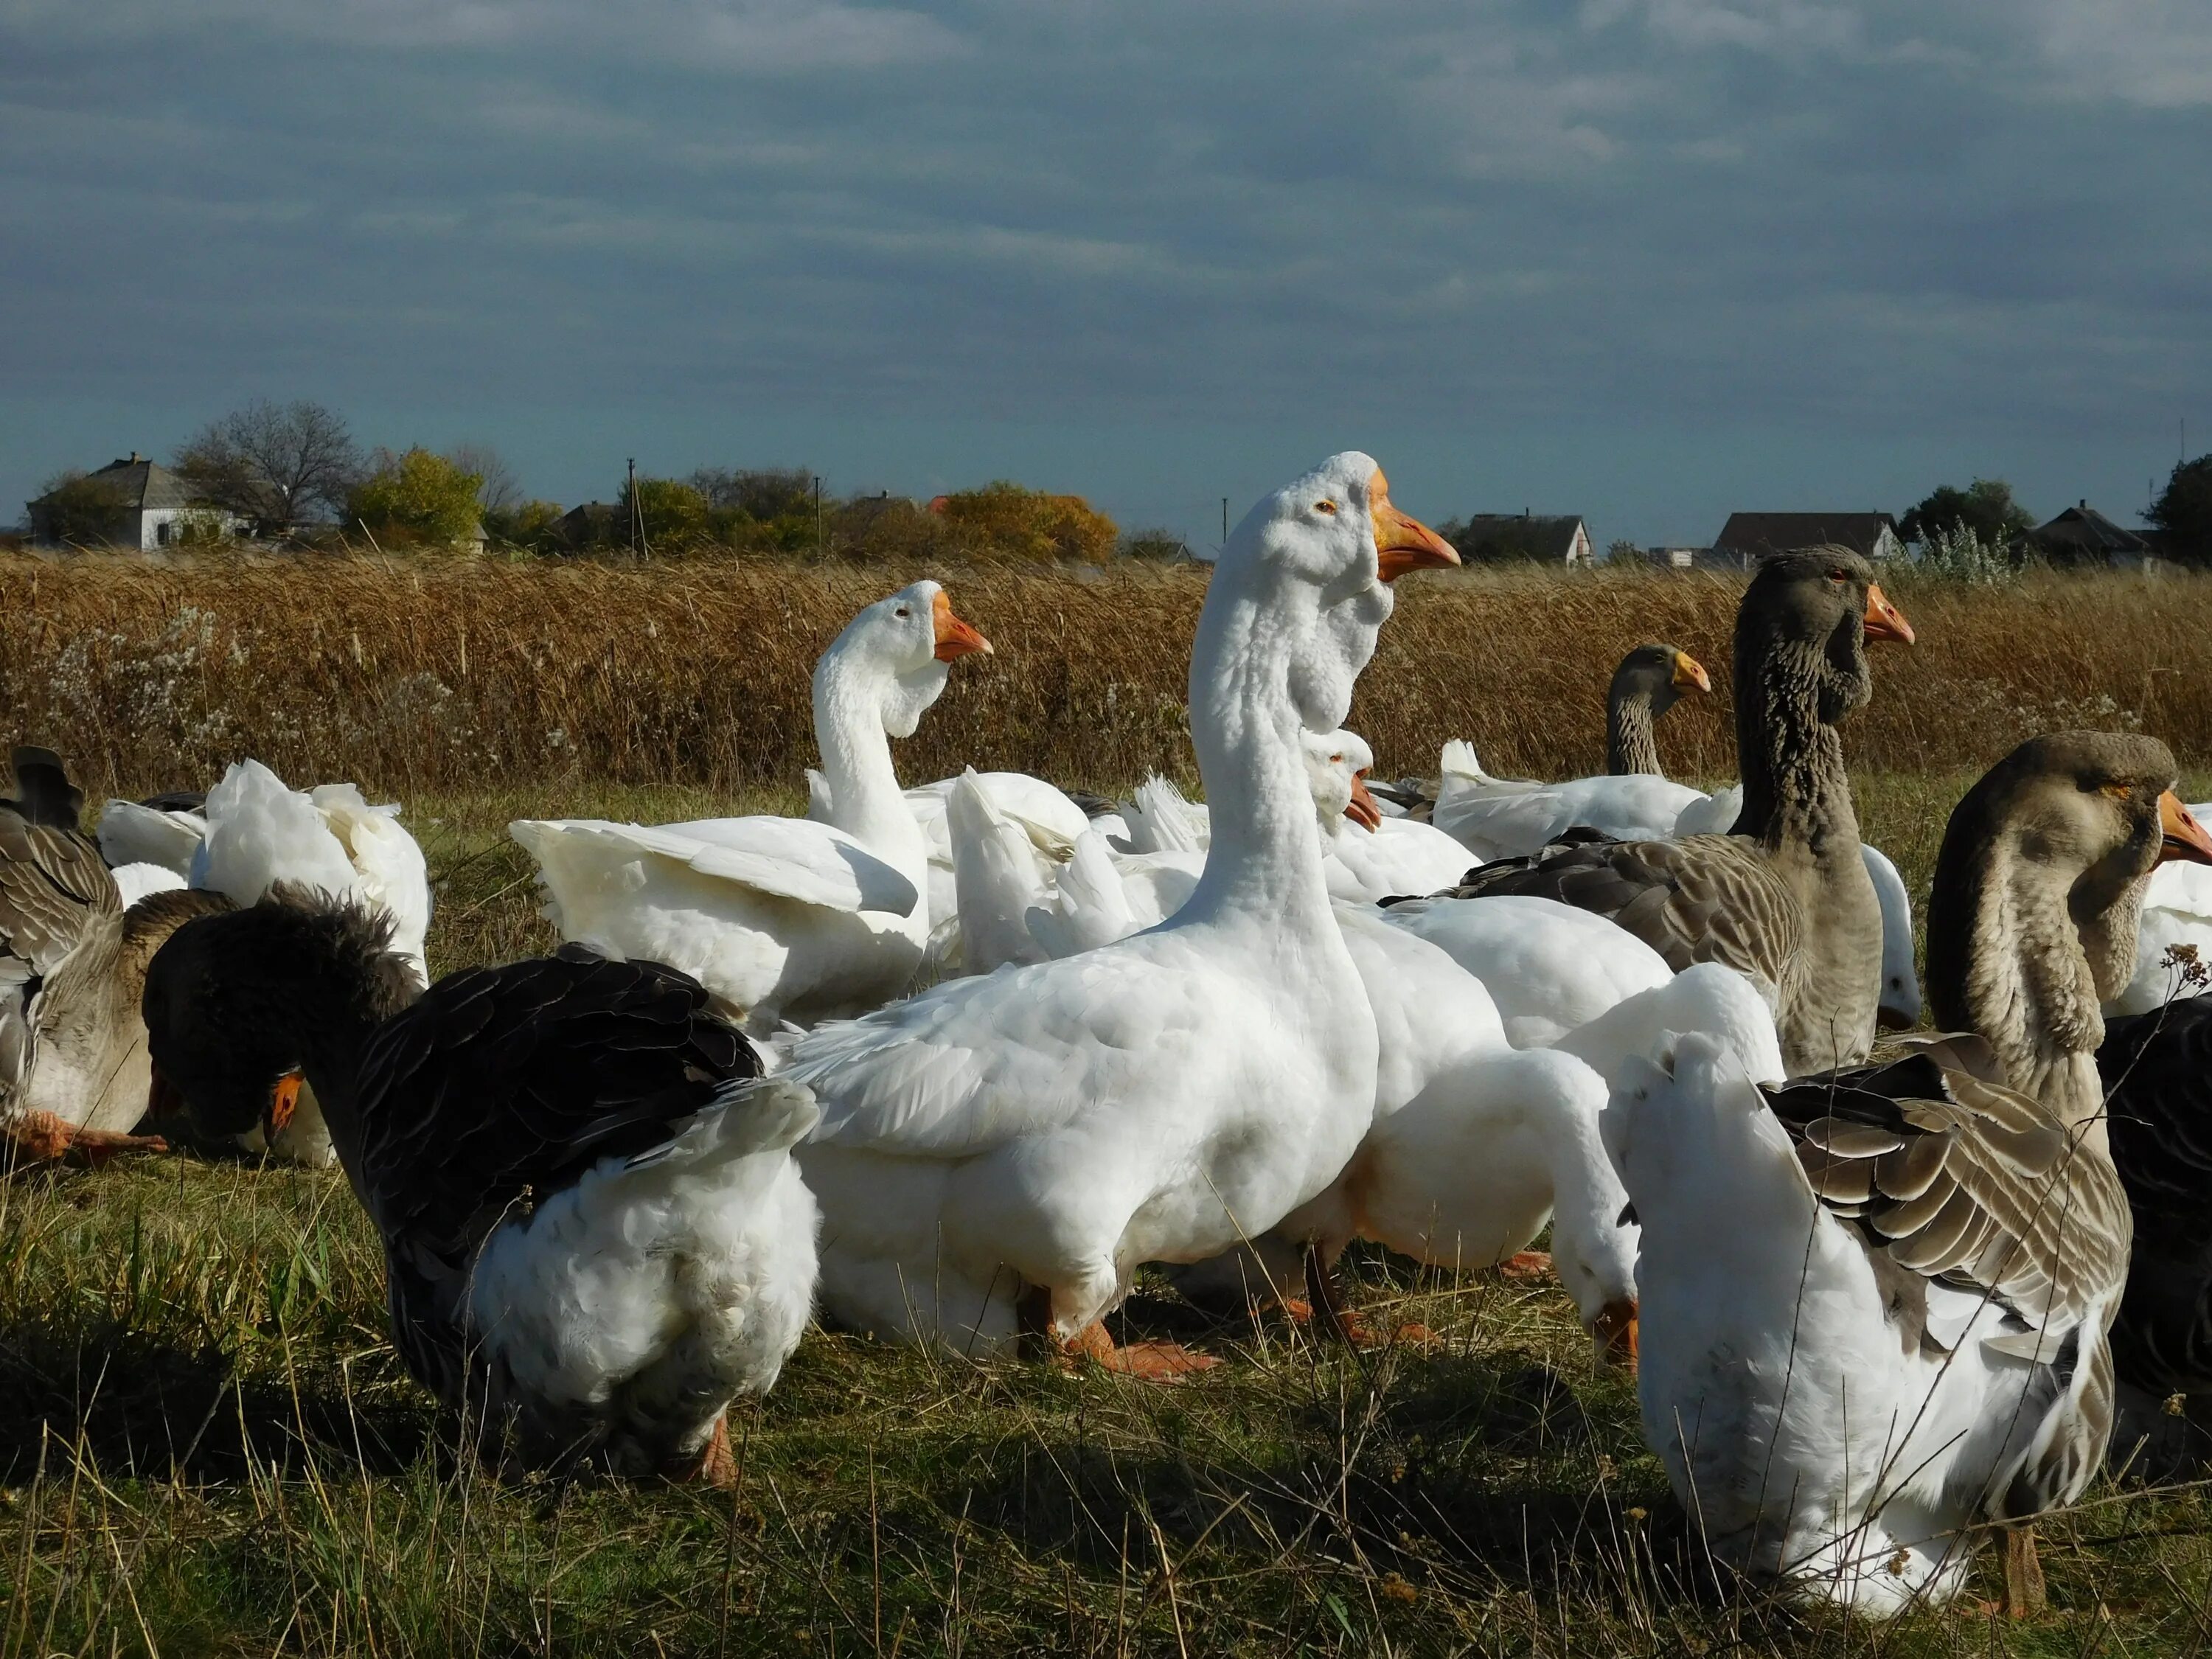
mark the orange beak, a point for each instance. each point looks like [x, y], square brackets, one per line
[1402, 543]
[1884, 621]
[955, 638]
[2183, 838]
[1690, 673]
[1363, 810]
[283, 1101]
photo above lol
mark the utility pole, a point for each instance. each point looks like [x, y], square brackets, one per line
[1224, 520]
[632, 493]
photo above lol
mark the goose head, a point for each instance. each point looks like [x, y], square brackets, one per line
[1658, 675]
[1820, 607]
[1338, 763]
[900, 651]
[2038, 892]
[1317, 558]
[239, 1005]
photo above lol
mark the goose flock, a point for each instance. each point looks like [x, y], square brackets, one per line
[950, 1065]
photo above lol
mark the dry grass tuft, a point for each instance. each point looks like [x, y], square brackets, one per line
[454, 674]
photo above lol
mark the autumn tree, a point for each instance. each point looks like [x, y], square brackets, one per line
[273, 462]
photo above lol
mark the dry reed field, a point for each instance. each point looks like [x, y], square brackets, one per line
[207, 1445]
[460, 676]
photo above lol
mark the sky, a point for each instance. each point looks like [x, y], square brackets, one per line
[1649, 261]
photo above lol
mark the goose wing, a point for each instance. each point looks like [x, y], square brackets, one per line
[787, 857]
[2157, 1072]
[1702, 898]
[503, 1081]
[1954, 1178]
[973, 1064]
[53, 887]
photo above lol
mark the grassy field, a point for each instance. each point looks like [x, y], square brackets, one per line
[210, 1447]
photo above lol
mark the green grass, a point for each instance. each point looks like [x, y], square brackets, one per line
[208, 1447]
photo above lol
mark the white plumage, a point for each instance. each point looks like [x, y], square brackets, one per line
[1056, 1125]
[683, 1275]
[784, 917]
[1548, 966]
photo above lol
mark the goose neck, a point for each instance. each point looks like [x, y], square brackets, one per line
[866, 800]
[2005, 960]
[1630, 747]
[1795, 791]
[1265, 857]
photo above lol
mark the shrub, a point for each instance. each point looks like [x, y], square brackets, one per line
[671, 514]
[1007, 519]
[76, 507]
[417, 497]
[533, 526]
[1955, 553]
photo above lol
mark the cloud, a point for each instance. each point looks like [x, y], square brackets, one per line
[1866, 219]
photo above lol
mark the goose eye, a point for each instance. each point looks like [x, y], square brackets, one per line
[902, 611]
[2117, 790]
[1839, 576]
[1324, 507]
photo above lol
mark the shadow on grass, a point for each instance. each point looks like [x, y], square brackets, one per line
[141, 1407]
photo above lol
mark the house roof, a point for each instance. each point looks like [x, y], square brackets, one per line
[143, 484]
[1546, 536]
[2081, 529]
[1761, 533]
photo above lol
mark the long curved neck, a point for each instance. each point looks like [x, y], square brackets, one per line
[1264, 862]
[1795, 791]
[866, 801]
[2005, 960]
[1629, 745]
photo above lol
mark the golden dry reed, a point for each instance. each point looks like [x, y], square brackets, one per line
[453, 675]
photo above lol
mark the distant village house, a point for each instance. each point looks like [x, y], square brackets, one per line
[1489, 538]
[2082, 536]
[141, 504]
[1747, 538]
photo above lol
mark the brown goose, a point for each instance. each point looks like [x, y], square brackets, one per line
[81, 1080]
[1964, 1206]
[591, 1222]
[1785, 898]
[1997, 902]
[68, 967]
[1649, 681]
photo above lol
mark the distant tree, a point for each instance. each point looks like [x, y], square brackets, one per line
[501, 491]
[1622, 552]
[671, 514]
[761, 494]
[1985, 507]
[74, 507]
[535, 526]
[273, 464]
[2184, 512]
[1007, 519]
[419, 497]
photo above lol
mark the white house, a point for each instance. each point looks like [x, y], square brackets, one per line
[152, 507]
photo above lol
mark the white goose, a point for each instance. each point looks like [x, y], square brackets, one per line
[1371, 857]
[783, 918]
[1002, 1153]
[2177, 910]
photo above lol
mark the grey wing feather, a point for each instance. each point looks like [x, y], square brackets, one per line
[1702, 898]
[53, 886]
